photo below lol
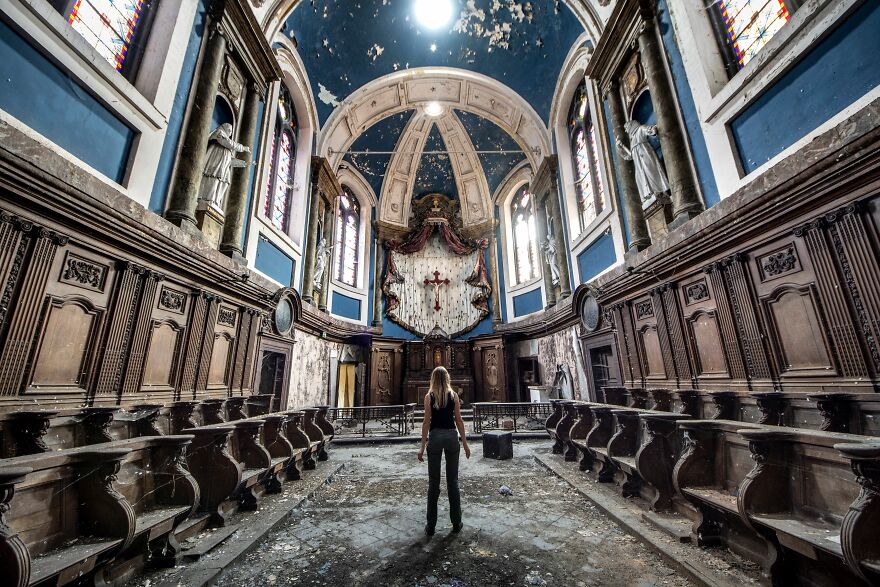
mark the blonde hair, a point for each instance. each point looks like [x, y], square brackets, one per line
[440, 387]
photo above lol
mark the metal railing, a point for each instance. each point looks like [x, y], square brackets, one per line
[525, 416]
[364, 421]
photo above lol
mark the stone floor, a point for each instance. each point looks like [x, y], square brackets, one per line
[367, 528]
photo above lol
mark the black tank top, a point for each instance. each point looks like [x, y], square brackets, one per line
[443, 417]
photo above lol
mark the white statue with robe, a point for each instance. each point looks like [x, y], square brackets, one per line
[650, 175]
[322, 256]
[550, 251]
[221, 159]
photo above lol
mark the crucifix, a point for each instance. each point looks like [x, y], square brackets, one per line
[436, 283]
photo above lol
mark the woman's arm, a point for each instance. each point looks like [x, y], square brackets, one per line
[459, 423]
[426, 425]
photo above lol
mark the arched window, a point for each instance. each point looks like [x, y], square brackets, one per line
[117, 29]
[281, 164]
[585, 159]
[525, 237]
[348, 225]
[743, 27]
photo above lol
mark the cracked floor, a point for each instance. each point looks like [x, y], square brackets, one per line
[367, 528]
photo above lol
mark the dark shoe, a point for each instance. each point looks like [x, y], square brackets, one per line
[456, 528]
[429, 530]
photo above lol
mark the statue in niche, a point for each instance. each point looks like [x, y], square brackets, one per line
[216, 177]
[550, 251]
[650, 175]
[322, 256]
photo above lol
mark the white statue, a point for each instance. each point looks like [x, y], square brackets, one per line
[550, 251]
[219, 164]
[650, 175]
[322, 255]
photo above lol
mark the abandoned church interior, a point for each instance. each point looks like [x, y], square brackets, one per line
[238, 236]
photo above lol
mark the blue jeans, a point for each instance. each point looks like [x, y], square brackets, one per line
[442, 441]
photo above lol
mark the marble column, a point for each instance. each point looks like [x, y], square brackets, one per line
[236, 202]
[329, 267]
[377, 284]
[308, 270]
[683, 189]
[553, 208]
[496, 287]
[184, 194]
[632, 202]
[549, 290]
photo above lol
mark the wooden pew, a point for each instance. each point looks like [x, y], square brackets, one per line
[551, 422]
[797, 497]
[74, 511]
[316, 436]
[858, 536]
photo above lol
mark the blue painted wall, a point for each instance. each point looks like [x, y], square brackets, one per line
[178, 111]
[345, 306]
[41, 95]
[833, 75]
[596, 258]
[527, 303]
[700, 153]
[274, 262]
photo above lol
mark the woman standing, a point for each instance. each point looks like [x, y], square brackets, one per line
[442, 417]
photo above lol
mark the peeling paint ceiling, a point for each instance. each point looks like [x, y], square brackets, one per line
[345, 44]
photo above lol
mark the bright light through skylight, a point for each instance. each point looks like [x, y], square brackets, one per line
[433, 14]
[433, 109]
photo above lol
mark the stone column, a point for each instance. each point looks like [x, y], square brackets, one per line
[329, 267]
[683, 189]
[553, 208]
[377, 284]
[632, 208]
[236, 201]
[185, 193]
[308, 270]
[496, 287]
[549, 290]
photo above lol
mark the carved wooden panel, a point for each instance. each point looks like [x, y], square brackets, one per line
[654, 365]
[17, 346]
[709, 351]
[163, 355]
[726, 321]
[116, 341]
[221, 355]
[798, 332]
[131, 379]
[63, 352]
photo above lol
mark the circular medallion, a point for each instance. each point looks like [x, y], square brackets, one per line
[590, 313]
[283, 316]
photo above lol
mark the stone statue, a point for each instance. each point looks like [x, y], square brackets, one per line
[219, 164]
[650, 175]
[322, 255]
[550, 251]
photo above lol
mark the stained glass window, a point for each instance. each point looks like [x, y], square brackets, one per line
[585, 159]
[748, 25]
[525, 237]
[282, 158]
[348, 224]
[112, 27]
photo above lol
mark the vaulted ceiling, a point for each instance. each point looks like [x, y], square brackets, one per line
[345, 44]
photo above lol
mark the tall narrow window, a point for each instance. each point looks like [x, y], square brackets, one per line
[115, 28]
[745, 26]
[585, 160]
[282, 159]
[525, 237]
[348, 225]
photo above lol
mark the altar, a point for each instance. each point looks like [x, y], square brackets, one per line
[420, 359]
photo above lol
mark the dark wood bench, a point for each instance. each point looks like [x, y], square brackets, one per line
[551, 422]
[76, 510]
[797, 497]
